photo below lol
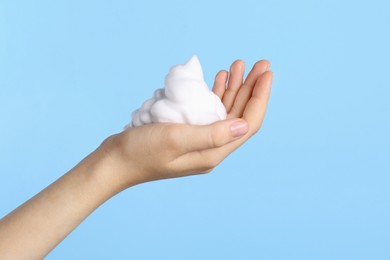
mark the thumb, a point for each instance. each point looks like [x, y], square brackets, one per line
[214, 135]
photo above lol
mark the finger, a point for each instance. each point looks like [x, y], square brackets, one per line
[197, 162]
[194, 138]
[200, 161]
[236, 77]
[220, 83]
[254, 115]
[257, 105]
[259, 68]
[246, 90]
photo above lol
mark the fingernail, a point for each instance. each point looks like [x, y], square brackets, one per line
[239, 128]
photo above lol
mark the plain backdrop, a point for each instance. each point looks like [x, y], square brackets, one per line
[313, 184]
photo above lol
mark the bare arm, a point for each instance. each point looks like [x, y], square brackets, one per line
[36, 227]
[137, 155]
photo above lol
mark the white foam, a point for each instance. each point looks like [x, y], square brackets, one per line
[185, 99]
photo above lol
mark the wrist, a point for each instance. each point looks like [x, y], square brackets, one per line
[112, 172]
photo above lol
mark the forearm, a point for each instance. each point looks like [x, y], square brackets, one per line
[36, 227]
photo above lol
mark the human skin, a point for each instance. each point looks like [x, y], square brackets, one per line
[135, 156]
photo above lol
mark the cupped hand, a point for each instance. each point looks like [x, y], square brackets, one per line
[161, 151]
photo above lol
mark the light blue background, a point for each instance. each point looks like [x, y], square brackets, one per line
[313, 184]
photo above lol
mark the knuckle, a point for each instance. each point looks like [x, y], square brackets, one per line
[171, 136]
[215, 138]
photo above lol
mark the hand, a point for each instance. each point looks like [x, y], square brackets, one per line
[141, 154]
[161, 151]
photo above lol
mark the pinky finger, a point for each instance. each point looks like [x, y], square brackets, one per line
[255, 109]
[197, 162]
[219, 87]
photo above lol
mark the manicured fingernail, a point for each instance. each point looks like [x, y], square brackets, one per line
[239, 128]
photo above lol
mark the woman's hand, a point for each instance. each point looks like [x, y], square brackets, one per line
[146, 153]
[161, 151]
